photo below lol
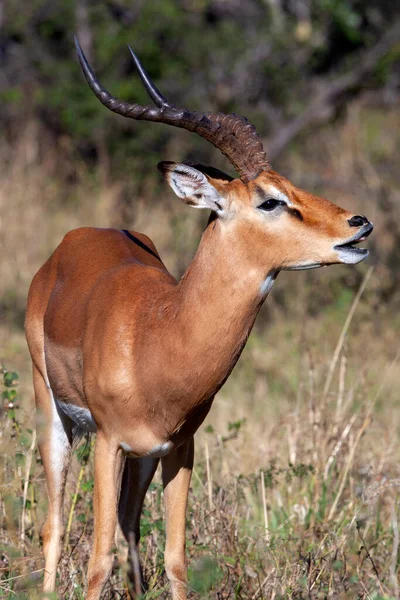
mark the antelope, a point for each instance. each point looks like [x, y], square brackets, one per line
[121, 348]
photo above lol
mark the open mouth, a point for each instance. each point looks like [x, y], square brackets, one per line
[348, 253]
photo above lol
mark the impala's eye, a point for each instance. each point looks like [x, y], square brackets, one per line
[270, 204]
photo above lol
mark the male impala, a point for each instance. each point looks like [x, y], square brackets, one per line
[119, 347]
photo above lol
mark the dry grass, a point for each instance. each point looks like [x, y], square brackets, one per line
[295, 489]
[314, 516]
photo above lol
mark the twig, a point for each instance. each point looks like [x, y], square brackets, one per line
[364, 426]
[338, 445]
[8, 590]
[26, 482]
[388, 371]
[134, 558]
[77, 542]
[210, 498]
[330, 93]
[20, 576]
[367, 552]
[339, 403]
[197, 476]
[254, 596]
[73, 504]
[319, 574]
[264, 503]
[343, 333]
[365, 590]
[209, 481]
[395, 550]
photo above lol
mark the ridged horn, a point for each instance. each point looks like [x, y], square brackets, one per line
[234, 136]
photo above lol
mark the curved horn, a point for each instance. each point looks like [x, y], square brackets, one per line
[155, 94]
[234, 136]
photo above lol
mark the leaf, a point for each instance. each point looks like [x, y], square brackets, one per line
[87, 486]
[10, 378]
[204, 574]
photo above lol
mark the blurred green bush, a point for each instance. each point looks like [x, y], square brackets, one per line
[260, 58]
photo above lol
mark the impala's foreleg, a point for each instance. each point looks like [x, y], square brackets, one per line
[55, 438]
[176, 474]
[138, 473]
[108, 465]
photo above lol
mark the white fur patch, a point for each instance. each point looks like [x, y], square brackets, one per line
[275, 193]
[59, 443]
[351, 256]
[268, 282]
[156, 452]
[81, 416]
[125, 447]
[160, 450]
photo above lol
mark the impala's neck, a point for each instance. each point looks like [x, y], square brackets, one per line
[216, 304]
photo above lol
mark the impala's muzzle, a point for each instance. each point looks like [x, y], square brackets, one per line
[347, 253]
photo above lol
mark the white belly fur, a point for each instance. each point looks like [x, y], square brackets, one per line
[82, 417]
[156, 452]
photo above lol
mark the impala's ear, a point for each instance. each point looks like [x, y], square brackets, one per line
[195, 188]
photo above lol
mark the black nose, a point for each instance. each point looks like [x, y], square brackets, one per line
[358, 221]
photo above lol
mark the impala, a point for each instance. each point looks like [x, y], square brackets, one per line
[120, 348]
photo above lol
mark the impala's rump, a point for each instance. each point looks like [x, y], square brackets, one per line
[56, 320]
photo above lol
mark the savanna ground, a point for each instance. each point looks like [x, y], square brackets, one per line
[295, 492]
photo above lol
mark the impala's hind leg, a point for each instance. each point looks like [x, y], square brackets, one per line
[55, 438]
[176, 474]
[108, 466]
[138, 473]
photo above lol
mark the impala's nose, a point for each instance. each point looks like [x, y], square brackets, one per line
[358, 221]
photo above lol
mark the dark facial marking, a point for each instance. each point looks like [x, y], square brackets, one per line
[295, 213]
[263, 196]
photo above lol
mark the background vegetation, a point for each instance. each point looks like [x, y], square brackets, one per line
[295, 490]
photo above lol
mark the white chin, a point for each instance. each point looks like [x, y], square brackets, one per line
[351, 256]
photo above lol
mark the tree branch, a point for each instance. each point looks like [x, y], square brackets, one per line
[331, 93]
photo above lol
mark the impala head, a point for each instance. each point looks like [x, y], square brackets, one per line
[283, 226]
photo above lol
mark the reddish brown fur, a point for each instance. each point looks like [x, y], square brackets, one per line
[112, 331]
